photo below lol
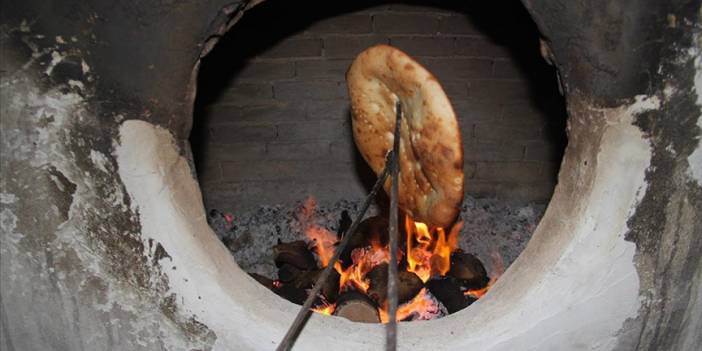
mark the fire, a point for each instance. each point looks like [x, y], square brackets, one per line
[364, 259]
[326, 309]
[429, 250]
[324, 239]
[499, 268]
[422, 306]
[324, 242]
[428, 253]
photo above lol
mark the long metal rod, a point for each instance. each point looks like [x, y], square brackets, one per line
[391, 327]
[304, 313]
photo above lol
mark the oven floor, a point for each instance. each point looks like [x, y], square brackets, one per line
[495, 231]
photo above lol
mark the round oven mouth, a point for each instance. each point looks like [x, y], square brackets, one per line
[574, 283]
[243, 136]
[576, 278]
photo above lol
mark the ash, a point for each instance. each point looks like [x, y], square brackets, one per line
[494, 230]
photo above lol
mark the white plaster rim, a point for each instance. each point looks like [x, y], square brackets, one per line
[572, 288]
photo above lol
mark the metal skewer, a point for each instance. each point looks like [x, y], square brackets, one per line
[304, 313]
[391, 328]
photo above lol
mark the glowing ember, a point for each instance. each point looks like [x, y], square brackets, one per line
[326, 309]
[421, 307]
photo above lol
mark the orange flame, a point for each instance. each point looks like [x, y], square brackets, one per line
[326, 309]
[324, 242]
[364, 259]
[429, 250]
[420, 304]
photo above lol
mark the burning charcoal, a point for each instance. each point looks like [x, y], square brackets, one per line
[344, 223]
[268, 283]
[408, 285]
[295, 254]
[371, 229]
[291, 293]
[448, 291]
[288, 273]
[469, 270]
[330, 289]
[357, 307]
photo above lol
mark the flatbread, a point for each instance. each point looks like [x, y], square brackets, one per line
[431, 155]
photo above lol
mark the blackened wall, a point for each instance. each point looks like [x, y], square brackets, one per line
[272, 119]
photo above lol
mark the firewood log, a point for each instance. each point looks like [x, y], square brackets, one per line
[408, 285]
[296, 254]
[369, 230]
[357, 307]
[330, 289]
[265, 281]
[448, 291]
[468, 270]
[288, 273]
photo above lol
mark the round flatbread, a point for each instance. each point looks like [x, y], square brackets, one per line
[431, 155]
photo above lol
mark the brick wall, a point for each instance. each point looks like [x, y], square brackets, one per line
[272, 121]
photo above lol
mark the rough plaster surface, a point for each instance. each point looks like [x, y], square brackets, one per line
[55, 272]
[695, 158]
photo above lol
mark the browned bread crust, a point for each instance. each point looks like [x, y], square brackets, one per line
[431, 155]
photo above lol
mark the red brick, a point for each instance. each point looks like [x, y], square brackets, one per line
[427, 6]
[502, 91]
[522, 172]
[533, 191]
[508, 69]
[298, 150]
[350, 46]
[236, 151]
[313, 130]
[328, 110]
[470, 111]
[295, 47]
[543, 151]
[284, 170]
[212, 173]
[526, 113]
[406, 23]
[349, 23]
[480, 47]
[300, 91]
[503, 133]
[248, 94]
[279, 112]
[424, 46]
[458, 24]
[262, 71]
[492, 151]
[233, 134]
[344, 150]
[455, 90]
[331, 69]
[459, 68]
